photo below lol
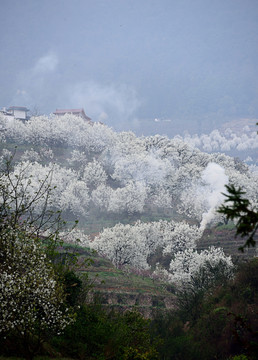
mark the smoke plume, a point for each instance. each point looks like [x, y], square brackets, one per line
[215, 180]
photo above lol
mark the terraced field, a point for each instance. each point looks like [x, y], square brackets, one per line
[123, 290]
[224, 236]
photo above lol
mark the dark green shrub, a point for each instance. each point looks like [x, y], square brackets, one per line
[73, 286]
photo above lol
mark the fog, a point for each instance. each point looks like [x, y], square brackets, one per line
[189, 65]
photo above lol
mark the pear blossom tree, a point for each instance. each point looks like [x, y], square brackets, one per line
[30, 155]
[75, 198]
[146, 168]
[124, 144]
[180, 235]
[196, 274]
[31, 295]
[67, 191]
[12, 129]
[133, 244]
[123, 246]
[54, 130]
[160, 197]
[75, 236]
[188, 263]
[101, 197]
[77, 159]
[32, 299]
[22, 201]
[130, 199]
[94, 174]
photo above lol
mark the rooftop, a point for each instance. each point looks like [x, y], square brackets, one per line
[72, 111]
[22, 108]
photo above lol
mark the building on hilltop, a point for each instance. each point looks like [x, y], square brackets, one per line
[18, 112]
[76, 112]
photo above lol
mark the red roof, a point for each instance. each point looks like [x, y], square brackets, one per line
[72, 111]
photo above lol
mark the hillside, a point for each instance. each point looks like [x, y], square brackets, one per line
[141, 202]
[121, 289]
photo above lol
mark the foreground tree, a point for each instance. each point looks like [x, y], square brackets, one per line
[32, 299]
[31, 294]
[239, 208]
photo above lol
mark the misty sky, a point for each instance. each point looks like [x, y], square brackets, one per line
[189, 64]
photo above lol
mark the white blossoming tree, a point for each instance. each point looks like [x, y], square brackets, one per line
[94, 174]
[196, 274]
[189, 263]
[133, 244]
[31, 296]
[123, 246]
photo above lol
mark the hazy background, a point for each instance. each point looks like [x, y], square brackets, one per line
[162, 66]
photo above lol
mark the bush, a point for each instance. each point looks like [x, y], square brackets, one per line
[99, 335]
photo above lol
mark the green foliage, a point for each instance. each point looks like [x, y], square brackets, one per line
[72, 285]
[97, 334]
[191, 298]
[228, 322]
[176, 342]
[239, 357]
[87, 336]
[240, 208]
[246, 281]
[217, 324]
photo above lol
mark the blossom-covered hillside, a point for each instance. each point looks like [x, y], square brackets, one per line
[93, 172]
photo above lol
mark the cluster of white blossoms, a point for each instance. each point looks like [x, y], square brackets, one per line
[207, 266]
[54, 130]
[75, 236]
[132, 245]
[186, 264]
[229, 140]
[31, 298]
